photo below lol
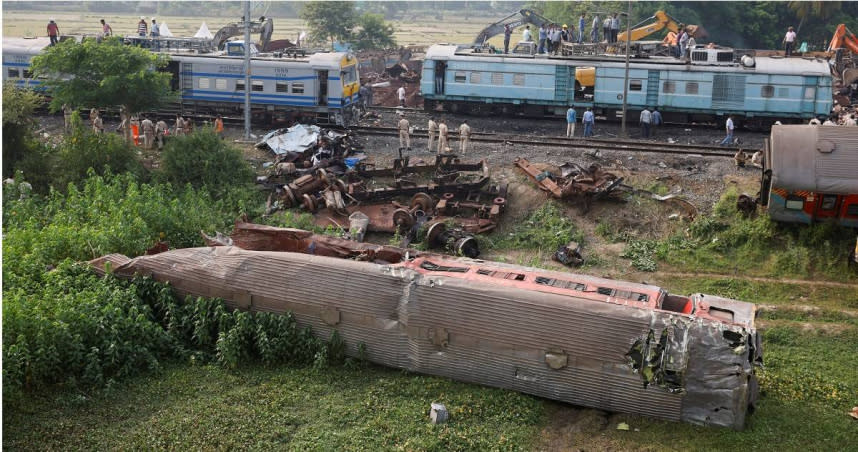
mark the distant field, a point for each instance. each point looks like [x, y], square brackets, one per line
[24, 23]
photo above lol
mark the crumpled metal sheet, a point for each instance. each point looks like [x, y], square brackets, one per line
[494, 330]
[294, 139]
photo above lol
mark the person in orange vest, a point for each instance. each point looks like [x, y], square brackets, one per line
[218, 126]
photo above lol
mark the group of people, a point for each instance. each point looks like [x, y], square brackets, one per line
[143, 29]
[610, 28]
[437, 130]
[588, 119]
[680, 43]
[550, 35]
[840, 116]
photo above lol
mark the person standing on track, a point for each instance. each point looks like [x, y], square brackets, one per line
[656, 120]
[729, 128]
[148, 133]
[589, 121]
[433, 129]
[571, 119]
[53, 31]
[401, 93]
[442, 136]
[160, 130]
[646, 122]
[464, 136]
[180, 126]
[218, 126]
[404, 137]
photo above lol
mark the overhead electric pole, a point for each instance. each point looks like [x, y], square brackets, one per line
[623, 132]
[247, 86]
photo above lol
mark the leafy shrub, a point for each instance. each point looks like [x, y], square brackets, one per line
[642, 253]
[545, 229]
[203, 160]
[82, 151]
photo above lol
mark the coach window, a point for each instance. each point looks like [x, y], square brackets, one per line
[518, 79]
[635, 85]
[810, 92]
[239, 85]
[767, 91]
[828, 202]
[691, 88]
[220, 84]
[852, 210]
[257, 86]
[349, 75]
[475, 77]
[282, 87]
[460, 77]
[794, 202]
[297, 88]
[783, 93]
[668, 87]
[203, 83]
[13, 72]
[27, 73]
[497, 78]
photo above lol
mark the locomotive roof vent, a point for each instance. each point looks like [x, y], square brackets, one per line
[720, 57]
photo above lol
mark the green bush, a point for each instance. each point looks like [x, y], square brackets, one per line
[81, 152]
[204, 160]
[545, 229]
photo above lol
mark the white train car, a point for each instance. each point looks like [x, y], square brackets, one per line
[17, 56]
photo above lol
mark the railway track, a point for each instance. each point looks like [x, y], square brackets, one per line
[601, 144]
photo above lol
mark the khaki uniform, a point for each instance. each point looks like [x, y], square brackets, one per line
[160, 128]
[148, 133]
[442, 137]
[464, 137]
[97, 125]
[433, 129]
[404, 137]
[740, 158]
[180, 126]
[67, 114]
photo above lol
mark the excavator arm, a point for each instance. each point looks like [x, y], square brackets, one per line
[843, 38]
[524, 16]
[265, 28]
[658, 22]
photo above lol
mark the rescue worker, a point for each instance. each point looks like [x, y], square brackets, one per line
[433, 129]
[188, 126]
[180, 125]
[97, 123]
[571, 119]
[53, 31]
[142, 27]
[442, 137]
[160, 130]
[464, 136]
[757, 159]
[67, 114]
[148, 133]
[404, 137]
[740, 158]
[218, 126]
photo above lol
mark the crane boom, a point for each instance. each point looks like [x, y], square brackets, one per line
[658, 22]
[843, 38]
[527, 16]
[264, 27]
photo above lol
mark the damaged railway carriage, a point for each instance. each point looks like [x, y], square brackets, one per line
[593, 342]
[321, 86]
[714, 84]
[810, 174]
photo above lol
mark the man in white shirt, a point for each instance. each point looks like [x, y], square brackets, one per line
[729, 127]
[789, 41]
[646, 120]
[525, 35]
[401, 93]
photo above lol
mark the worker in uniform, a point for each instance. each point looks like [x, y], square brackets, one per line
[67, 114]
[180, 125]
[97, 123]
[442, 137]
[571, 119]
[160, 130]
[433, 129]
[218, 126]
[740, 158]
[404, 137]
[148, 133]
[464, 136]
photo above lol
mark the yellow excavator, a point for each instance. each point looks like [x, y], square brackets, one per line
[659, 21]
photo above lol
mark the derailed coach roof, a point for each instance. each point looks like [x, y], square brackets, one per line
[483, 322]
[822, 159]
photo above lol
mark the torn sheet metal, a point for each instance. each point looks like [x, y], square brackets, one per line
[297, 138]
[607, 344]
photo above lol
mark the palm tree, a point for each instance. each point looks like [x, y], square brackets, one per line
[816, 9]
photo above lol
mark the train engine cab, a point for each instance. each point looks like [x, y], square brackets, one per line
[810, 174]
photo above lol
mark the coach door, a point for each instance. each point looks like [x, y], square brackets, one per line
[322, 87]
[440, 71]
[808, 102]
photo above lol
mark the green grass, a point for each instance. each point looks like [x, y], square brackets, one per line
[190, 407]
[776, 293]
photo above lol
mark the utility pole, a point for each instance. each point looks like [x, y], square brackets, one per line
[623, 132]
[247, 86]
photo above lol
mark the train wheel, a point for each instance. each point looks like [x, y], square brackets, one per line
[403, 220]
[421, 200]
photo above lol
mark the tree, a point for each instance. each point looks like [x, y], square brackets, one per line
[18, 108]
[334, 20]
[374, 33]
[105, 74]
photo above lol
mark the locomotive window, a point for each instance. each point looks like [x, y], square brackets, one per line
[349, 75]
[783, 92]
[27, 73]
[518, 79]
[239, 85]
[635, 85]
[297, 88]
[476, 77]
[810, 92]
[668, 87]
[829, 202]
[497, 78]
[13, 72]
[852, 210]
[220, 84]
[767, 91]
[203, 83]
[794, 202]
[282, 87]
[691, 88]
[460, 77]
[257, 86]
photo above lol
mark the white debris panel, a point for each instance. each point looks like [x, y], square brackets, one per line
[294, 139]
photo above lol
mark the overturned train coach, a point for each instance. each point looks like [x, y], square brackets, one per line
[593, 342]
[320, 86]
[810, 174]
